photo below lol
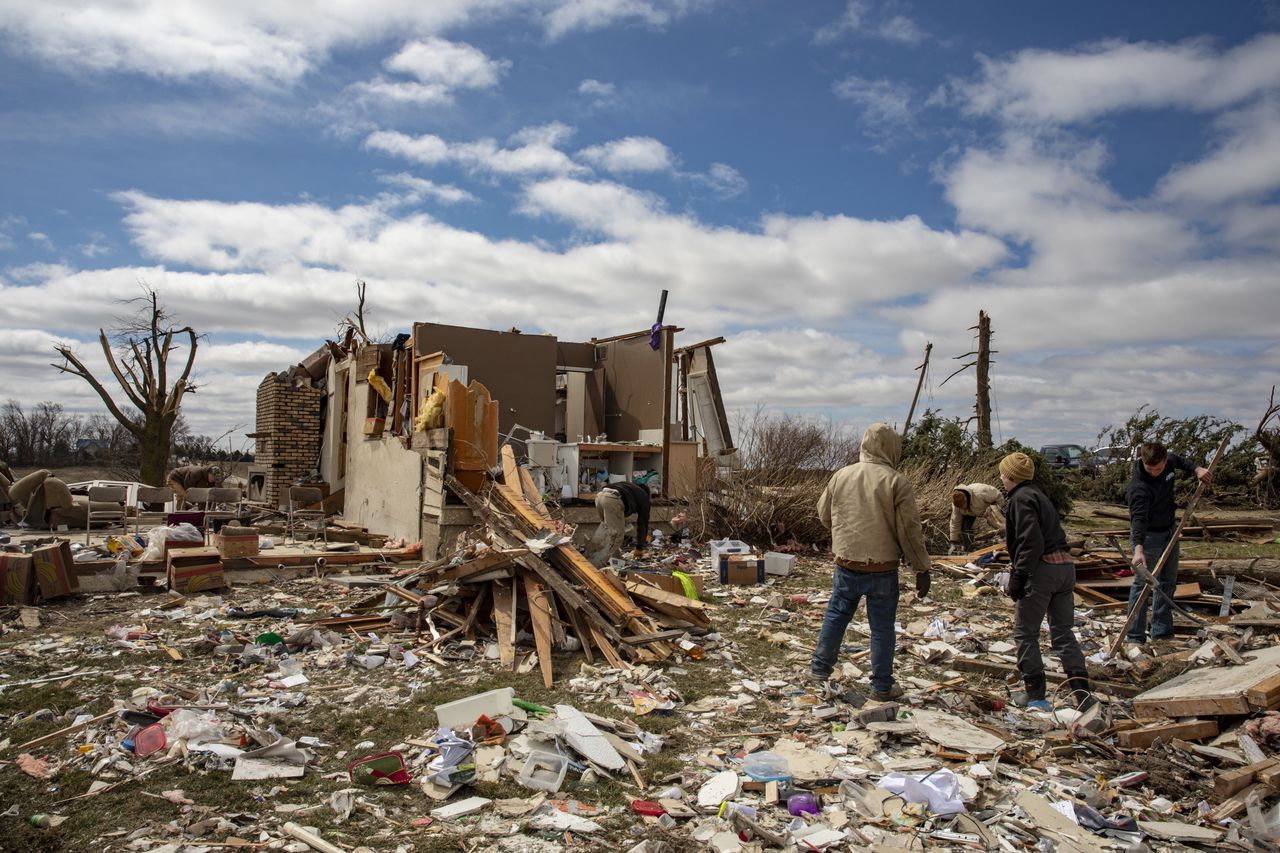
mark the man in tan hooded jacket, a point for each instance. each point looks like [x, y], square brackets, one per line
[871, 510]
[968, 504]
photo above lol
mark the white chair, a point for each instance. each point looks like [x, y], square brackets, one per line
[115, 515]
[302, 518]
[150, 496]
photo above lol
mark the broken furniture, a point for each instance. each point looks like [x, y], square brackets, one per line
[305, 514]
[150, 496]
[114, 513]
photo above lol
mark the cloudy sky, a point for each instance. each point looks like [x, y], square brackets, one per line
[827, 184]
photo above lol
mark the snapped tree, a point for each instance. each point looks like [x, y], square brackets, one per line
[139, 361]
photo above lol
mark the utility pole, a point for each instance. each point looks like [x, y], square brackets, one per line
[923, 368]
[984, 381]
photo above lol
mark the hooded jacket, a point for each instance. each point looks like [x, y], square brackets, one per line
[870, 506]
[984, 501]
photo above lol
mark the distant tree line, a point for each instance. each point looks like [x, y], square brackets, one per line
[44, 435]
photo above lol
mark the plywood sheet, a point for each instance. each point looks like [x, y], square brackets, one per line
[1209, 691]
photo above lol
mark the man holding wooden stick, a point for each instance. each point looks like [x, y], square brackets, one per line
[1151, 522]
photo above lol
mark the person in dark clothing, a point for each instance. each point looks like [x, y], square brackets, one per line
[1151, 522]
[615, 502]
[192, 477]
[1042, 582]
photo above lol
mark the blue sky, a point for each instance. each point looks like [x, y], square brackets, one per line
[827, 184]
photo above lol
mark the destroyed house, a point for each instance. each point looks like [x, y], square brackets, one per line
[353, 418]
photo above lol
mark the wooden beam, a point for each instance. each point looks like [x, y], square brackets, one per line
[540, 613]
[504, 622]
[1234, 781]
[1166, 732]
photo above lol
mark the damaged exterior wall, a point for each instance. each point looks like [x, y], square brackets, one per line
[383, 478]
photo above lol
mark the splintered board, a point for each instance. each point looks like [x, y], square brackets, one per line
[1211, 691]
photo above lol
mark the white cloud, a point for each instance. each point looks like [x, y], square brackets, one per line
[537, 156]
[450, 64]
[1071, 86]
[723, 180]
[1054, 200]
[884, 103]
[632, 154]
[591, 86]
[273, 43]
[1246, 163]
[96, 247]
[602, 94]
[552, 134]
[572, 15]
[40, 239]
[858, 20]
[416, 189]
[440, 67]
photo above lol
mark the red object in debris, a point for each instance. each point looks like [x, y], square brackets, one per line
[648, 807]
[149, 740]
[799, 598]
[158, 710]
[997, 704]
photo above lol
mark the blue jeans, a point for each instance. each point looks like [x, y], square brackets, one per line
[1153, 545]
[847, 589]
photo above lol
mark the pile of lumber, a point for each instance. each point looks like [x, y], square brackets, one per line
[499, 583]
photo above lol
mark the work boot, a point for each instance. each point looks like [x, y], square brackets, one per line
[1077, 687]
[892, 693]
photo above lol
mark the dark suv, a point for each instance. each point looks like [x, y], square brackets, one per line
[1064, 456]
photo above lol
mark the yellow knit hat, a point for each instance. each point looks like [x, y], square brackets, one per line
[1018, 467]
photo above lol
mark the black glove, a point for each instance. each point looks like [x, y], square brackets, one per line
[1017, 586]
[922, 584]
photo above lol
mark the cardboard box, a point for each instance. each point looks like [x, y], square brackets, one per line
[741, 569]
[194, 571]
[179, 545]
[17, 579]
[779, 564]
[236, 542]
[55, 570]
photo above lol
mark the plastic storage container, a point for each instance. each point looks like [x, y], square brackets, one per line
[463, 713]
[767, 767]
[726, 546]
[544, 771]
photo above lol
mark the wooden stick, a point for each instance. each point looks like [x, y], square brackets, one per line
[1141, 603]
[312, 840]
[63, 732]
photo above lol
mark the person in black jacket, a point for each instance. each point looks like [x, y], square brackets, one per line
[1151, 522]
[1042, 581]
[615, 502]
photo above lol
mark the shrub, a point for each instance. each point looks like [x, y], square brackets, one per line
[1194, 438]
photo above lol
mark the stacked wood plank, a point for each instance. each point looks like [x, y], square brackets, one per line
[497, 585]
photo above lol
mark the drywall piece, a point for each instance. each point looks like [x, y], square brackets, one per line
[462, 808]
[725, 785]
[587, 740]
[954, 732]
[806, 764]
[1212, 691]
[725, 842]
[250, 769]
[1174, 831]
[463, 713]
[1070, 836]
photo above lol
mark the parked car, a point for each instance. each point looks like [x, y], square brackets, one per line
[1064, 456]
[1100, 457]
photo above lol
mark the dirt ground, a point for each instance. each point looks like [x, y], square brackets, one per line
[762, 636]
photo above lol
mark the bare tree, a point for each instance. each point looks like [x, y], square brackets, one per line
[1267, 480]
[139, 361]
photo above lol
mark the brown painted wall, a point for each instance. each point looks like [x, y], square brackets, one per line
[633, 387]
[519, 370]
